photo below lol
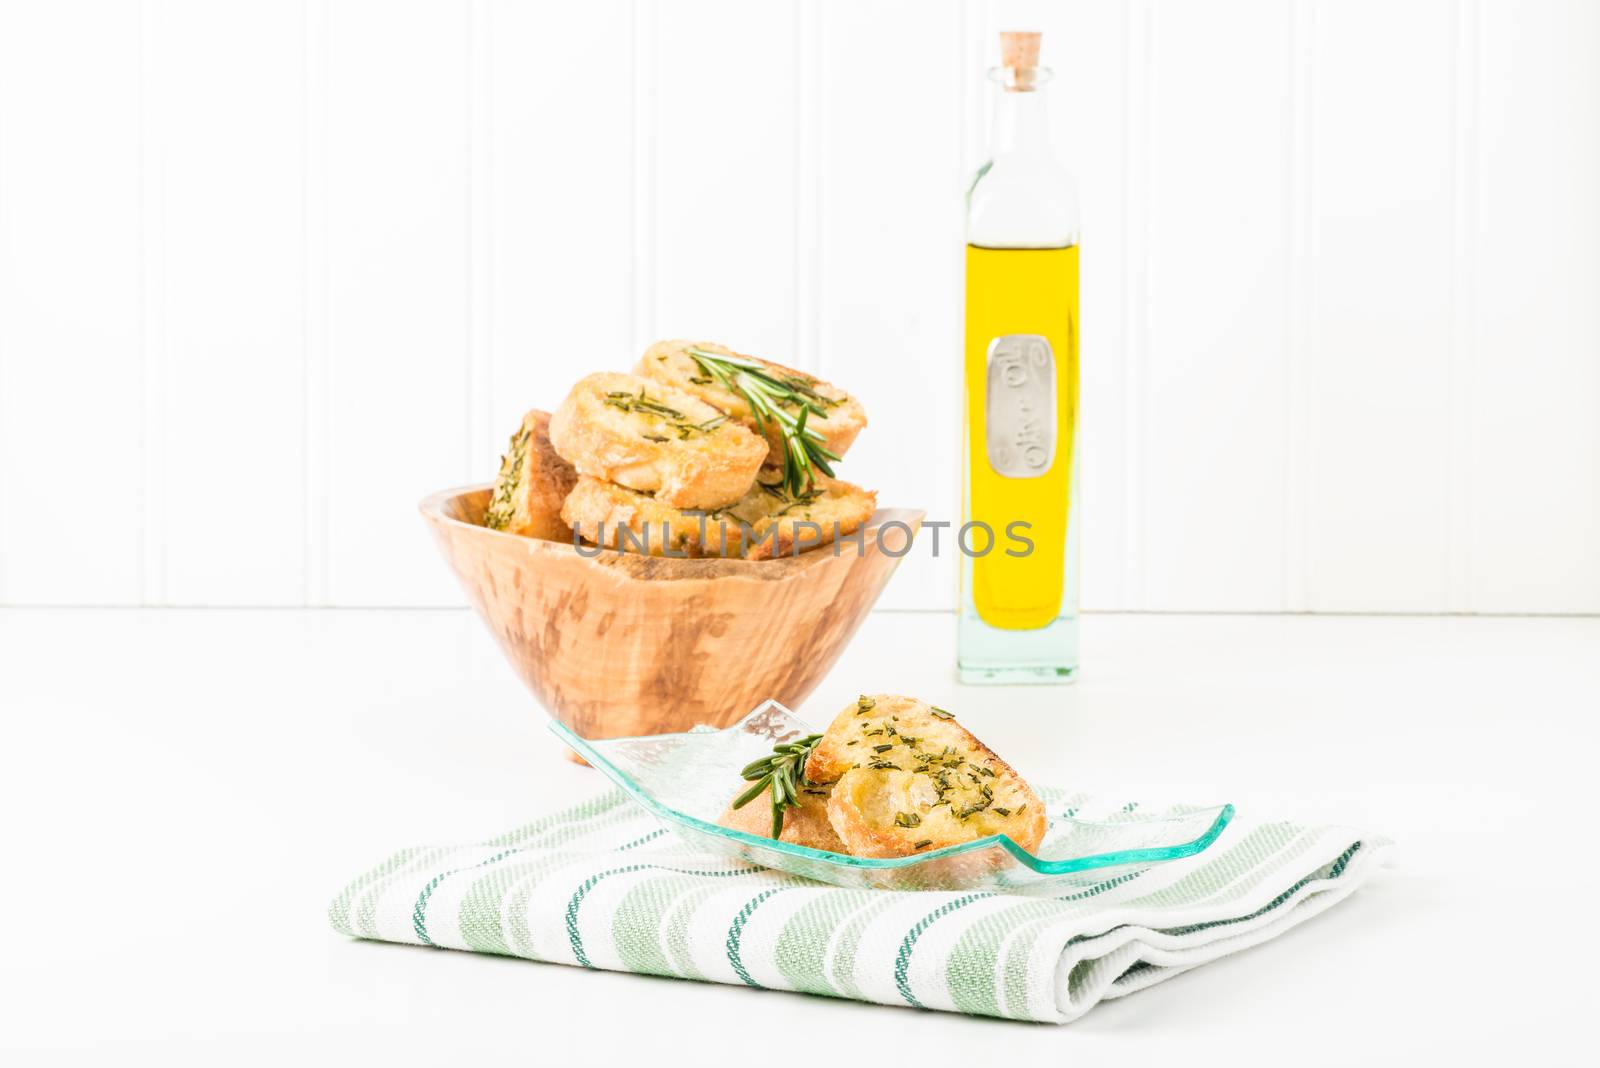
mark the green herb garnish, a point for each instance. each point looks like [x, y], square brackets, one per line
[770, 398]
[785, 772]
[502, 506]
[940, 713]
[642, 404]
[907, 819]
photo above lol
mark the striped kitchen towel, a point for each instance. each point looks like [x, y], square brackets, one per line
[603, 885]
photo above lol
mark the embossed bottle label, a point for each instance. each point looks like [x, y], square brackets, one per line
[1021, 405]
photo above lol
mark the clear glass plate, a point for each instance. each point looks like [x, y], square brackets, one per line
[686, 780]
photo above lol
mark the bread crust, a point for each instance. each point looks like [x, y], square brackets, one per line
[667, 362]
[613, 427]
[762, 524]
[600, 512]
[935, 785]
[804, 824]
[532, 485]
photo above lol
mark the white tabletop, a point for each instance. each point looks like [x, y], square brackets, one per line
[183, 792]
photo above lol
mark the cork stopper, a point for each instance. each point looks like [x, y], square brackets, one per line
[1019, 54]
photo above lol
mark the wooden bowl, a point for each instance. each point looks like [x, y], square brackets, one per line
[620, 644]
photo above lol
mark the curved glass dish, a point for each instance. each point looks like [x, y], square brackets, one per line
[687, 780]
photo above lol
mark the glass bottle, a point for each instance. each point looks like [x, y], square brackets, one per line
[1018, 619]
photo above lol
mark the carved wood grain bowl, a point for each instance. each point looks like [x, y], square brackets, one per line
[621, 644]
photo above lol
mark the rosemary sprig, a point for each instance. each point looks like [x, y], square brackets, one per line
[770, 397]
[785, 772]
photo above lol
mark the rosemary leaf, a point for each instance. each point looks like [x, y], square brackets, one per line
[769, 399]
[784, 772]
[754, 791]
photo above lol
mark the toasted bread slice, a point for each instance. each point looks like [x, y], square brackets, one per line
[804, 824]
[781, 524]
[604, 513]
[764, 523]
[533, 482]
[843, 417]
[655, 439]
[910, 779]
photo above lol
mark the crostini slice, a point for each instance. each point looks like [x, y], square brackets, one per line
[766, 522]
[909, 779]
[532, 485]
[649, 437]
[782, 523]
[839, 419]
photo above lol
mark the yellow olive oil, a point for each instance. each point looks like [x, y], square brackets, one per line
[1028, 293]
[1018, 621]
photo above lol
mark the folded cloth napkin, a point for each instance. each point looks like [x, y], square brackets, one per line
[603, 885]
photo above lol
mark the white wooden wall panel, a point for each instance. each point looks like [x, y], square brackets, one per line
[70, 292]
[724, 128]
[1378, 410]
[228, 85]
[1211, 421]
[400, 329]
[560, 219]
[891, 260]
[1341, 346]
[1533, 437]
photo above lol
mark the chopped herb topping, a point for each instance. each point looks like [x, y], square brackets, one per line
[924, 844]
[942, 714]
[641, 404]
[502, 508]
[907, 819]
[883, 748]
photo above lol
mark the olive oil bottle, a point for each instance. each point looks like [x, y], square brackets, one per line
[1019, 548]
